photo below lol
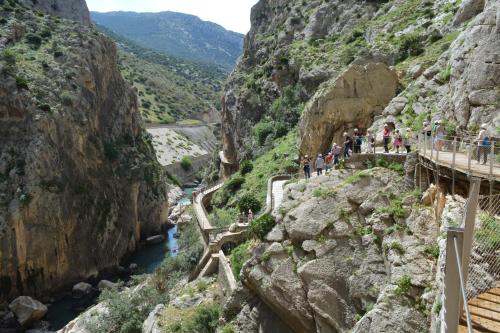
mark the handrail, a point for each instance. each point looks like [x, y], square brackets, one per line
[462, 285]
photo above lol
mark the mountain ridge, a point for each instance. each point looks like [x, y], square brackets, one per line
[176, 34]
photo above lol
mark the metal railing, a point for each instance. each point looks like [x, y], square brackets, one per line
[462, 153]
[458, 250]
[484, 268]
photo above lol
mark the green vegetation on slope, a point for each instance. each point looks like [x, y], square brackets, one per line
[169, 89]
[280, 159]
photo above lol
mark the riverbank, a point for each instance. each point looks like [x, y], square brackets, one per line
[147, 259]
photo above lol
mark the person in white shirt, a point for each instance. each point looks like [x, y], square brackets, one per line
[483, 143]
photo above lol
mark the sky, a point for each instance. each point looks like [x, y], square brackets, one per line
[231, 14]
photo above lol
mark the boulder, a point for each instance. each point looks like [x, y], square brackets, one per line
[151, 324]
[133, 267]
[27, 310]
[105, 284]
[155, 240]
[81, 289]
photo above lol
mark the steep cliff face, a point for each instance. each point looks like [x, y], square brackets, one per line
[350, 253]
[461, 88]
[79, 181]
[75, 10]
[303, 49]
[276, 63]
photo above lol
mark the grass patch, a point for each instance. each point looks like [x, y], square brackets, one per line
[261, 226]
[404, 285]
[488, 235]
[395, 209]
[356, 177]
[239, 256]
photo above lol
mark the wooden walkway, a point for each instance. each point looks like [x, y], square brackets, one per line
[445, 159]
[485, 313]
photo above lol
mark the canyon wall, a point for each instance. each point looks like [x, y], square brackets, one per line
[79, 180]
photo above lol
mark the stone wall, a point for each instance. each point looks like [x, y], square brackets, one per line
[190, 175]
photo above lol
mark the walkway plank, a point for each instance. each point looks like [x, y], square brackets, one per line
[478, 302]
[462, 164]
[490, 297]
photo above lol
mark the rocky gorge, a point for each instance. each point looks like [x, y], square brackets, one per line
[360, 249]
[80, 184]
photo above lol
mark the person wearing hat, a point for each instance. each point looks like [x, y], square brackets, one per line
[347, 145]
[320, 164]
[386, 134]
[306, 162]
[483, 142]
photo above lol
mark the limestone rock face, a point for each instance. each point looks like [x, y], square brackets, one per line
[462, 86]
[337, 260]
[27, 310]
[269, 63]
[75, 10]
[349, 101]
[79, 180]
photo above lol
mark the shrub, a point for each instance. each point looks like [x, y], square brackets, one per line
[246, 167]
[404, 285]
[34, 40]
[395, 209]
[228, 328]
[9, 57]
[396, 247]
[22, 83]
[487, 235]
[111, 151]
[67, 99]
[239, 256]
[235, 183]
[249, 202]
[445, 75]
[125, 312]
[262, 130]
[433, 251]
[410, 44]
[186, 163]
[260, 227]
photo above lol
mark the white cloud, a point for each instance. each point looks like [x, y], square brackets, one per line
[231, 14]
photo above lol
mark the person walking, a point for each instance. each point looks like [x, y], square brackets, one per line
[358, 141]
[483, 143]
[336, 151]
[398, 141]
[306, 162]
[347, 145]
[440, 135]
[250, 216]
[370, 139]
[407, 140]
[328, 162]
[320, 164]
[387, 138]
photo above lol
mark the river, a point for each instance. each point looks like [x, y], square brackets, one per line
[148, 258]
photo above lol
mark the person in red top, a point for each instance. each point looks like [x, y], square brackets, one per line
[328, 161]
[387, 138]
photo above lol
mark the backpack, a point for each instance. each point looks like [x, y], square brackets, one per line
[359, 141]
[486, 141]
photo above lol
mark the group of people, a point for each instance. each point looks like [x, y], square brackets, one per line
[400, 139]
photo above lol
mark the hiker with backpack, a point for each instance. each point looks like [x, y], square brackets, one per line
[347, 145]
[483, 144]
[336, 151]
[440, 134]
[306, 162]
